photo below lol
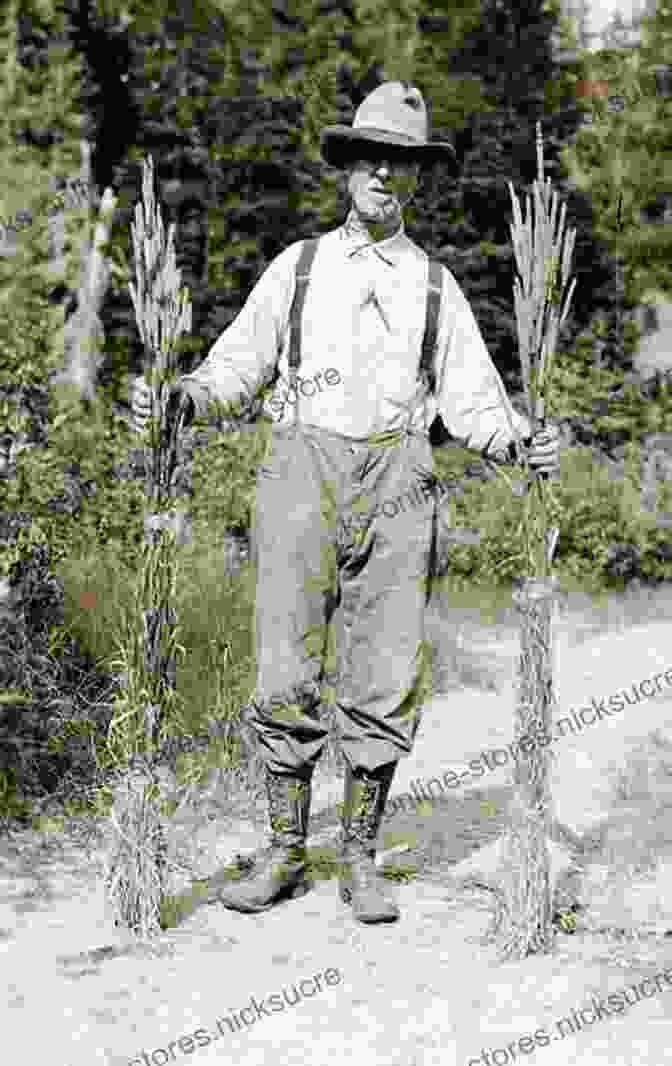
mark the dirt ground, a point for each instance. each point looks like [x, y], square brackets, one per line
[426, 991]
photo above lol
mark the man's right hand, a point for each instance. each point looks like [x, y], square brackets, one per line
[140, 394]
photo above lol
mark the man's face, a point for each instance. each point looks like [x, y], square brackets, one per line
[380, 188]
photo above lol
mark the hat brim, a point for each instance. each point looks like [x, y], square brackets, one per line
[338, 143]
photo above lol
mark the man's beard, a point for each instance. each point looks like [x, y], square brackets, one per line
[387, 215]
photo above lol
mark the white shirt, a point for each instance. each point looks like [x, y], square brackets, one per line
[362, 327]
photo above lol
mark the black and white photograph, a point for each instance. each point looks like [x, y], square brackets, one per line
[336, 532]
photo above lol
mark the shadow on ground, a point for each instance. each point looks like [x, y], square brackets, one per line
[438, 837]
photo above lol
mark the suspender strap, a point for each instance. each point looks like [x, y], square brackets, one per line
[303, 268]
[427, 373]
[427, 370]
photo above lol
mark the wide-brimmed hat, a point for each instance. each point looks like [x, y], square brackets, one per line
[394, 114]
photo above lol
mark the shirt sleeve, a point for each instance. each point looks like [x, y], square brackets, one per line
[471, 397]
[248, 349]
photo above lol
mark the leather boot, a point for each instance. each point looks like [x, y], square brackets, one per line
[364, 802]
[280, 874]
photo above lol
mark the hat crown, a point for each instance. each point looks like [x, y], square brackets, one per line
[391, 117]
[395, 108]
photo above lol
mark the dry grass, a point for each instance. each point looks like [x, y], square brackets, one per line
[147, 699]
[540, 257]
[134, 878]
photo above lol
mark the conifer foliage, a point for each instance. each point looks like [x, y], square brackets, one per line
[623, 159]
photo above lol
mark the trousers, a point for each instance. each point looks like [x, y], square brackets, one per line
[340, 544]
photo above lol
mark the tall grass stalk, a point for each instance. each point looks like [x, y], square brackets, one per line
[142, 709]
[541, 246]
[542, 249]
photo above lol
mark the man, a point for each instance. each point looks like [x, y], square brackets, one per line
[332, 540]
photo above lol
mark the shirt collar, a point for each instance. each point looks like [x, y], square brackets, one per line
[355, 237]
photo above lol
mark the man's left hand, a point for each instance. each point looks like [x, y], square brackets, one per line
[544, 451]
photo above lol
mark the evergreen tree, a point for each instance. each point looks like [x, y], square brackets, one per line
[40, 135]
[623, 160]
[59, 449]
[511, 50]
[100, 37]
[42, 123]
[510, 53]
[39, 138]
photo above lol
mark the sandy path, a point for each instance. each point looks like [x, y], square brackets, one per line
[423, 991]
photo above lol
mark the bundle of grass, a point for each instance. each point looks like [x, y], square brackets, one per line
[142, 710]
[523, 855]
[538, 244]
[135, 878]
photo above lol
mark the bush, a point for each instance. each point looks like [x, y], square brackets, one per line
[597, 513]
[64, 475]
